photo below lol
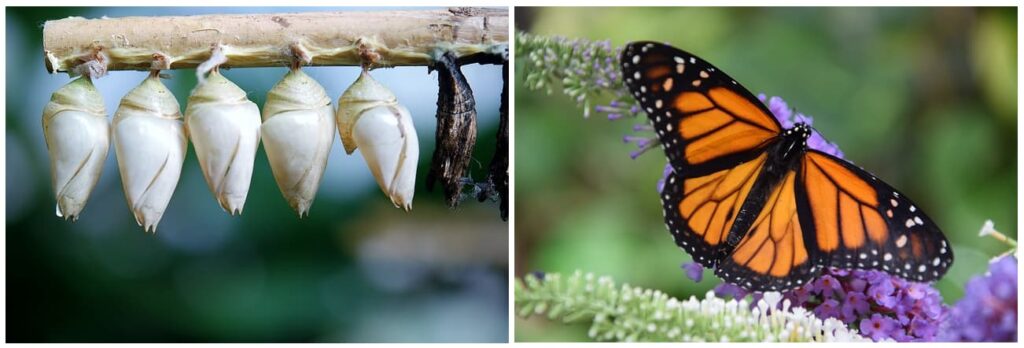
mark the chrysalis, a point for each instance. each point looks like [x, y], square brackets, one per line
[149, 140]
[298, 131]
[370, 118]
[456, 129]
[224, 127]
[77, 136]
[498, 176]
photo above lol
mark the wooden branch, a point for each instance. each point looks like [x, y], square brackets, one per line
[390, 38]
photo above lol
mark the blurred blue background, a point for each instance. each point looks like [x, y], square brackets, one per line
[924, 98]
[356, 269]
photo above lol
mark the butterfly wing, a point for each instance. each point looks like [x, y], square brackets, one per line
[714, 133]
[860, 222]
[705, 120]
[773, 254]
[700, 211]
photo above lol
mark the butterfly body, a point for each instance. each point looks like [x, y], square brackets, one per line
[752, 200]
[783, 154]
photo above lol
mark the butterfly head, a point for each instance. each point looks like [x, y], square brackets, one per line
[800, 131]
[794, 140]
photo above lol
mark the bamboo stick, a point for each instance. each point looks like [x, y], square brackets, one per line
[259, 40]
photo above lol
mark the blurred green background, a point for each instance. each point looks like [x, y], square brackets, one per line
[356, 269]
[925, 98]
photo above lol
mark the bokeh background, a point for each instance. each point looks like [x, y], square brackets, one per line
[357, 269]
[925, 98]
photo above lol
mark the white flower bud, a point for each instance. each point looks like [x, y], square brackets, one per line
[77, 136]
[149, 140]
[224, 127]
[370, 118]
[298, 131]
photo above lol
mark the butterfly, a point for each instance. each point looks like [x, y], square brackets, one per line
[749, 199]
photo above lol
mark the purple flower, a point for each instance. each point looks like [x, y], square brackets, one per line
[878, 327]
[799, 296]
[874, 277]
[826, 284]
[857, 303]
[858, 285]
[694, 271]
[915, 291]
[900, 336]
[922, 328]
[664, 177]
[847, 314]
[903, 313]
[988, 310]
[856, 297]
[862, 294]
[729, 290]
[827, 309]
[779, 108]
[882, 293]
[818, 142]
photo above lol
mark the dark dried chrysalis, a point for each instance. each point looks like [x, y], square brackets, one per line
[498, 176]
[456, 129]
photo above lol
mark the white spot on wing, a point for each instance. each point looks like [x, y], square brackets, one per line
[901, 241]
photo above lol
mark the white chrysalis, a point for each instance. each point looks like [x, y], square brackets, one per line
[370, 118]
[298, 131]
[149, 140]
[224, 127]
[77, 136]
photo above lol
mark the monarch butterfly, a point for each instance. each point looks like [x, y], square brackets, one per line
[751, 200]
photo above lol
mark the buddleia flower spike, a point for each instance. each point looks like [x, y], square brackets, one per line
[456, 129]
[149, 141]
[298, 131]
[370, 117]
[224, 127]
[77, 136]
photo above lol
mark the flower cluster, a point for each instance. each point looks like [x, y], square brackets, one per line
[628, 313]
[585, 69]
[988, 310]
[880, 305]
